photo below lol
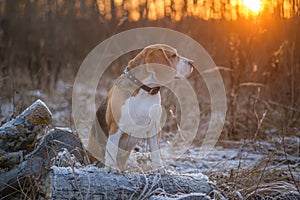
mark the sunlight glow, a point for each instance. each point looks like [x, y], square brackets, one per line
[253, 5]
[177, 10]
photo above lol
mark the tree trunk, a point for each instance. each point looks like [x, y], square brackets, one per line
[97, 183]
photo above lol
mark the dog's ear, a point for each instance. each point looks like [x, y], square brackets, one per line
[158, 63]
[139, 59]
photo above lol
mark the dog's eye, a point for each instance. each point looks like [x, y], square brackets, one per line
[174, 55]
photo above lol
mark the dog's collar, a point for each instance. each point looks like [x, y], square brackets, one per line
[150, 90]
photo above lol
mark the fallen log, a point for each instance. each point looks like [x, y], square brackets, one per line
[97, 183]
[37, 164]
[18, 136]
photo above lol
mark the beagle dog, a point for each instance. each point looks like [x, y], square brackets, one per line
[132, 110]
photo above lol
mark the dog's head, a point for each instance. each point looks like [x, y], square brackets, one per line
[166, 56]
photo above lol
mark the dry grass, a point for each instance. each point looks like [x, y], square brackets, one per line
[275, 176]
[246, 184]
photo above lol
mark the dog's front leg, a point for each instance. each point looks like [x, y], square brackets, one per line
[112, 148]
[157, 164]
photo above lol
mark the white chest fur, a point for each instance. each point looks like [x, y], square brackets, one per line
[140, 114]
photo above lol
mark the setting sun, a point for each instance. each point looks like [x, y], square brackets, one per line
[253, 5]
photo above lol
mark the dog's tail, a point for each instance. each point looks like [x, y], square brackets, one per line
[98, 135]
[100, 114]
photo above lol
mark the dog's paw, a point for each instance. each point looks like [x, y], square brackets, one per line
[113, 170]
[95, 164]
[98, 164]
